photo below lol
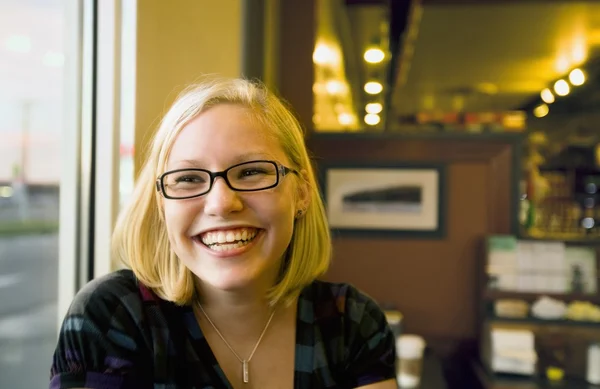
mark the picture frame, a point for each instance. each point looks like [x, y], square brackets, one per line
[398, 199]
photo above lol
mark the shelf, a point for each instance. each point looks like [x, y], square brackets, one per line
[568, 239]
[490, 380]
[491, 295]
[536, 321]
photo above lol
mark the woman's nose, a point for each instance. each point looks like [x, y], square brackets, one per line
[221, 199]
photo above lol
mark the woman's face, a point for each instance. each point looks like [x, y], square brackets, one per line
[229, 239]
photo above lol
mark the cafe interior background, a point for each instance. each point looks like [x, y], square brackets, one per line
[456, 141]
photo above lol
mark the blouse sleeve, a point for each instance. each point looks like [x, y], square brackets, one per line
[370, 342]
[99, 346]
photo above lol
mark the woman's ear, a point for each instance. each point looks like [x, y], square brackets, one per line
[304, 193]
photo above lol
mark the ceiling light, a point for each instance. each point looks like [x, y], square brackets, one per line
[561, 87]
[372, 119]
[374, 55]
[345, 119]
[576, 77]
[541, 110]
[562, 64]
[547, 96]
[374, 108]
[318, 88]
[428, 102]
[335, 87]
[579, 52]
[373, 87]
[324, 54]
[18, 43]
[487, 88]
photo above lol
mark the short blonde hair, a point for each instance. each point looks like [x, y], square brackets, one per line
[140, 238]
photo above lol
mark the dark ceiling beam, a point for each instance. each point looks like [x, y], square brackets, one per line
[400, 12]
[366, 2]
[495, 2]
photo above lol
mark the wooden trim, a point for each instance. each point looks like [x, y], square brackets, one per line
[502, 156]
[296, 45]
[499, 179]
[253, 39]
[409, 149]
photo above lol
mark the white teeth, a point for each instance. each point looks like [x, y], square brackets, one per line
[228, 238]
[228, 246]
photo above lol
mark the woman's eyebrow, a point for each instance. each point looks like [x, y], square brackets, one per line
[252, 156]
[195, 163]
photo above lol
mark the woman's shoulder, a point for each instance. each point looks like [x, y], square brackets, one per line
[344, 295]
[114, 297]
[340, 301]
[104, 334]
[107, 293]
[351, 333]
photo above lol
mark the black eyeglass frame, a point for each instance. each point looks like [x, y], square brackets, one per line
[281, 170]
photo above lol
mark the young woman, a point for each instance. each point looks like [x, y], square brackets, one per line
[225, 238]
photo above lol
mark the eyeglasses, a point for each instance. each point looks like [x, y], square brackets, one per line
[249, 176]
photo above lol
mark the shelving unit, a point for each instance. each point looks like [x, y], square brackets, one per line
[534, 321]
[573, 336]
[493, 295]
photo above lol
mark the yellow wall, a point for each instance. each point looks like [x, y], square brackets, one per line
[178, 41]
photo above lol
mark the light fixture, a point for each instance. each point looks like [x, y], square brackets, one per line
[374, 108]
[576, 77]
[335, 87]
[374, 55]
[324, 54]
[372, 119]
[541, 110]
[547, 96]
[579, 52]
[562, 64]
[561, 88]
[373, 87]
[345, 118]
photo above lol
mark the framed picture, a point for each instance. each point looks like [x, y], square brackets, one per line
[398, 199]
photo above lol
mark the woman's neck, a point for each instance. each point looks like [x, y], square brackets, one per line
[235, 311]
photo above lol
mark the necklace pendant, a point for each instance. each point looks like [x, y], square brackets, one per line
[245, 371]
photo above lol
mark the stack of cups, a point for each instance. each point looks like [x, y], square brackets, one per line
[409, 349]
[593, 364]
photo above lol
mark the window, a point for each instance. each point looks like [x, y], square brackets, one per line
[34, 54]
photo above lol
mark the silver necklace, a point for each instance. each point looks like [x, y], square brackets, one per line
[244, 362]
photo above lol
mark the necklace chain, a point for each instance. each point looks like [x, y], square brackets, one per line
[244, 362]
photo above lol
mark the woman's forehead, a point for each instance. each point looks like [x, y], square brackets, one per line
[226, 135]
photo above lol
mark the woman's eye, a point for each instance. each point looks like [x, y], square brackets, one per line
[252, 172]
[189, 179]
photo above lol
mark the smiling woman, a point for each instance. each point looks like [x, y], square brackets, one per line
[225, 238]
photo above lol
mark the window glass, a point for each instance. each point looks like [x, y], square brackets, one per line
[32, 37]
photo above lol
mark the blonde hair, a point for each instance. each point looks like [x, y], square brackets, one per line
[140, 238]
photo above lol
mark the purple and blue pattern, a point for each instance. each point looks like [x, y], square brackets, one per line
[118, 334]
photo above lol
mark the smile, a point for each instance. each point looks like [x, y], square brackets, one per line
[225, 240]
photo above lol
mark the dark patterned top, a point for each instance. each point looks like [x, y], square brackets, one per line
[118, 334]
